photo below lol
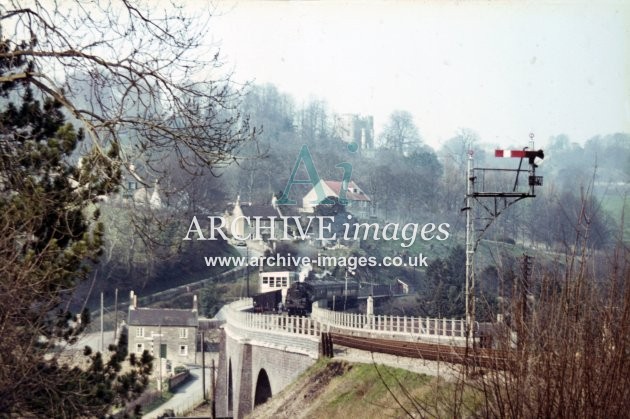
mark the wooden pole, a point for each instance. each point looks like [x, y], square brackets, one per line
[102, 333]
[116, 316]
[213, 413]
[203, 366]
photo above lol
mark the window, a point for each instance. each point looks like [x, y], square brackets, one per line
[140, 332]
[139, 348]
[284, 282]
[183, 350]
[183, 333]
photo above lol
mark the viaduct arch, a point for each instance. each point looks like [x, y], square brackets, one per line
[263, 388]
[257, 360]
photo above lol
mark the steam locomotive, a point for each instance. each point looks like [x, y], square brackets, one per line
[338, 295]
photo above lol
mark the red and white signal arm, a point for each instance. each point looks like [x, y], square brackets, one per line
[534, 156]
[510, 153]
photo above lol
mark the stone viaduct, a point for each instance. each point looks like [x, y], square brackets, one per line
[261, 354]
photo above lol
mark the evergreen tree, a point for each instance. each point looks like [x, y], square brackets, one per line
[446, 278]
[123, 71]
[49, 237]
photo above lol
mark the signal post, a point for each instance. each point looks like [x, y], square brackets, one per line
[485, 201]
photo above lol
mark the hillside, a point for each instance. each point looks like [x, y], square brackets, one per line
[336, 388]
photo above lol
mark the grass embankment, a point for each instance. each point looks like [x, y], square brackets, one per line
[332, 389]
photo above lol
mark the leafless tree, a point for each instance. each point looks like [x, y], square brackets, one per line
[140, 82]
[401, 133]
[562, 351]
[139, 76]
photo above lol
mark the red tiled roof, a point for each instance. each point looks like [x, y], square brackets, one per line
[350, 195]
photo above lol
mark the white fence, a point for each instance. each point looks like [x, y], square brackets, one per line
[278, 323]
[289, 333]
[416, 326]
[270, 322]
[323, 320]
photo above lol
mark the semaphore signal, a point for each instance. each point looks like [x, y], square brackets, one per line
[486, 199]
[510, 153]
[534, 156]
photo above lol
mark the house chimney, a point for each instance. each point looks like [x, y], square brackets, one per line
[194, 307]
[132, 300]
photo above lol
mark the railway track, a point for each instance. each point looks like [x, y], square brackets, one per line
[485, 358]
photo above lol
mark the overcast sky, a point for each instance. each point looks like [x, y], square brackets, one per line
[503, 69]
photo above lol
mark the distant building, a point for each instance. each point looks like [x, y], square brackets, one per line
[137, 194]
[403, 287]
[169, 332]
[358, 203]
[354, 128]
[246, 218]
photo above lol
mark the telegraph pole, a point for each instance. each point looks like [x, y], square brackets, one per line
[213, 390]
[116, 317]
[345, 292]
[203, 365]
[470, 254]
[524, 291]
[247, 268]
[102, 332]
[160, 343]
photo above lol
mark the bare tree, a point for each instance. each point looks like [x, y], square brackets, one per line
[133, 75]
[562, 349]
[454, 155]
[401, 133]
[150, 93]
[140, 84]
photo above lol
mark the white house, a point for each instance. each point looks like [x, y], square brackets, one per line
[358, 202]
[140, 195]
[163, 332]
[247, 218]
